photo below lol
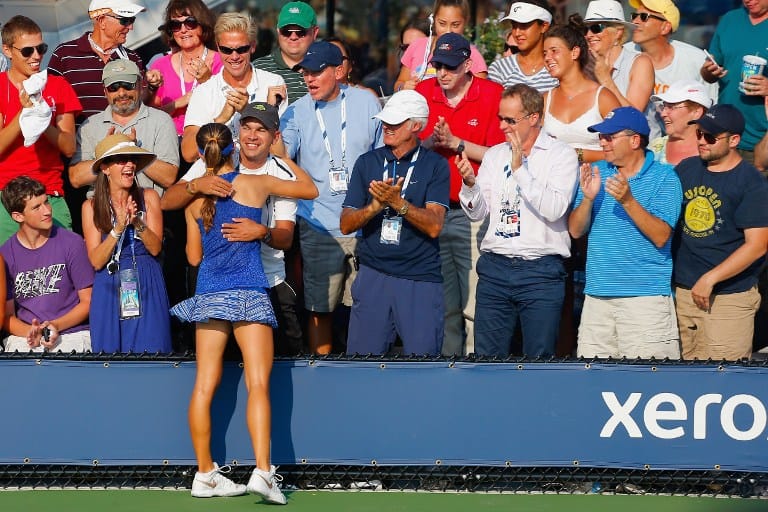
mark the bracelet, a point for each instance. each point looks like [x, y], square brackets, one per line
[268, 237]
[114, 234]
[580, 155]
[139, 227]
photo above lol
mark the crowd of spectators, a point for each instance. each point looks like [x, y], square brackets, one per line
[451, 222]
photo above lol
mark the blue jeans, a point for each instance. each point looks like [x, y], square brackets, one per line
[511, 290]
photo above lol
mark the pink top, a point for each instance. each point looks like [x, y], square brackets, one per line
[413, 59]
[171, 88]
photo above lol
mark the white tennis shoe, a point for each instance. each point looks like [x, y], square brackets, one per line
[214, 483]
[267, 485]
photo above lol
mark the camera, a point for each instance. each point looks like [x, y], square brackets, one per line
[47, 333]
[112, 267]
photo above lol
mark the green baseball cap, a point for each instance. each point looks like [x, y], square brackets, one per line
[297, 13]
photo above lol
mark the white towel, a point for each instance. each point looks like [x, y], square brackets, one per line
[35, 119]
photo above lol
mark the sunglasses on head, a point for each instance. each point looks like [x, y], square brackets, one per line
[226, 50]
[286, 32]
[28, 51]
[596, 28]
[708, 137]
[644, 16]
[609, 137]
[190, 22]
[128, 86]
[123, 20]
[439, 65]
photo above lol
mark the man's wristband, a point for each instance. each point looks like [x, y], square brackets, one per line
[268, 237]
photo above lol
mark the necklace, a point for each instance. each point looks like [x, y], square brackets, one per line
[570, 97]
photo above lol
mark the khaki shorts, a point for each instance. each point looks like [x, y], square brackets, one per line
[724, 332]
[629, 327]
[328, 269]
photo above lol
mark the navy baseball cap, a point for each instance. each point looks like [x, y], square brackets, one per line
[623, 118]
[721, 118]
[451, 49]
[320, 55]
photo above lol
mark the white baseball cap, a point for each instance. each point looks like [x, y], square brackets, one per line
[523, 12]
[403, 105]
[609, 11]
[122, 8]
[683, 90]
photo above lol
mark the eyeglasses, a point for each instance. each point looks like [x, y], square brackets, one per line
[125, 21]
[511, 120]
[663, 105]
[644, 16]
[226, 50]
[596, 28]
[439, 65]
[286, 32]
[114, 87]
[608, 137]
[708, 137]
[190, 22]
[28, 51]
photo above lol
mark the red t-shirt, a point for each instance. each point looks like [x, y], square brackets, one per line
[42, 160]
[473, 119]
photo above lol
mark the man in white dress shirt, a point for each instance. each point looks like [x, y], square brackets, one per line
[526, 185]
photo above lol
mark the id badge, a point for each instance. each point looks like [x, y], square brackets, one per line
[130, 304]
[338, 178]
[390, 230]
[509, 223]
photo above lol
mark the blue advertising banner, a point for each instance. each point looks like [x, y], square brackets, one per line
[395, 413]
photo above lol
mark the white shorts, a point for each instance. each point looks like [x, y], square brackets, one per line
[79, 341]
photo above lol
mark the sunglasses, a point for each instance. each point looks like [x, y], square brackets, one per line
[510, 48]
[286, 32]
[439, 65]
[128, 86]
[644, 16]
[596, 28]
[121, 160]
[708, 137]
[404, 47]
[28, 51]
[511, 120]
[190, 22]
[125, 21]
[609, 137]
[662, 106]
[226, 50]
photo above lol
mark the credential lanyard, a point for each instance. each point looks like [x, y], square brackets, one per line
[181, 72]
[407, 174]
[324, 132]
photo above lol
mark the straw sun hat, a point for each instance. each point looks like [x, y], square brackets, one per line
[121, 144]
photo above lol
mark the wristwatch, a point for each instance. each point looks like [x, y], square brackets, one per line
[460, 147]
[404, 209]
[268, 237]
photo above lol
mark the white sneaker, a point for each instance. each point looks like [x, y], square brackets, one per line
[266, 485]
[214, 483]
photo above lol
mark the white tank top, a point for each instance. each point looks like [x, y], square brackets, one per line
[575, 133]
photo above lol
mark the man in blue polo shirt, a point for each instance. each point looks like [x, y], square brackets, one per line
[629, 204]
[397, 197]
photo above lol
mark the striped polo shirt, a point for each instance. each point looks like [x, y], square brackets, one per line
[507, 72]
[274, 63]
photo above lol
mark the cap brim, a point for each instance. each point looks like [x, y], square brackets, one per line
[626, 24]
[708, 125]
[391, 117]
[143, 160]
[447, 60]
[120, 78]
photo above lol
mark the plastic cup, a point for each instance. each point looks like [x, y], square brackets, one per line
[751, 65]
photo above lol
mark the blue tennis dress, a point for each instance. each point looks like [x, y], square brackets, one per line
[231, 284]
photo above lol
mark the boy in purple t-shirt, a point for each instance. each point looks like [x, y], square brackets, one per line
[49, 276]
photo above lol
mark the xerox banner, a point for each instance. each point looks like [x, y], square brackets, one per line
[373, 412]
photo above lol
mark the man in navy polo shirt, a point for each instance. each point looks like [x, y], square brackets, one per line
[397, 197]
